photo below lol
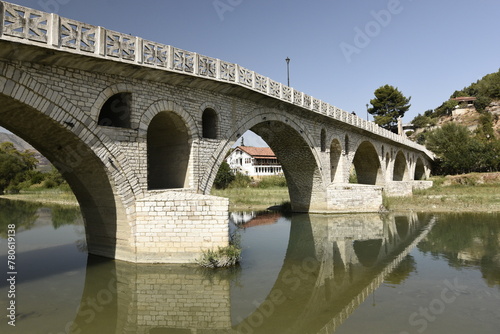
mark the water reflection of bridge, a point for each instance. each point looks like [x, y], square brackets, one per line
[332, 264]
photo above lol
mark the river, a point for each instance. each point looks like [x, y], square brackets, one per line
[365, 273]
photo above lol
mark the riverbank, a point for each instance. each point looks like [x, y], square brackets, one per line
[477, 192]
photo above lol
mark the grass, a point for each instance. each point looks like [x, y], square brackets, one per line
[44, 195]
[465, 193]
[255, 199]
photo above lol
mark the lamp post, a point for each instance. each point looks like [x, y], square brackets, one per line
[367, 112]
[288, 71]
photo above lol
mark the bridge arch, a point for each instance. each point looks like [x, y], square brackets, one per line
[400, 168]
[48, 122]
[367, 164]
[294, 148]
[420, 169]
[169, 136]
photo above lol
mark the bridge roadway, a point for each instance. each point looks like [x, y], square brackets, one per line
[139, 130]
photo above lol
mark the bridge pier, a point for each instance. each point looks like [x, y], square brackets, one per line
[175, 226]
[349, 197]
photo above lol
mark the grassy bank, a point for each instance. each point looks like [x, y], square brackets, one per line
[471, 192]
[477, 192]
[253, 199]
[53, 196]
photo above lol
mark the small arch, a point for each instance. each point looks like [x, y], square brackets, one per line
[400, 168]
[168, 152]
[323, 140]
[116, 111]
[209, 121]
[346, 144]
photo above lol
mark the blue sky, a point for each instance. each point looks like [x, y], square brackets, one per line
[340, 50]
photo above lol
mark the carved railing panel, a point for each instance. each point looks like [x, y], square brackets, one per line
[183, 60]
[207, 67]
[78, 36]
[120, 45]
[155, 54]
[227, 71]
[25, 23]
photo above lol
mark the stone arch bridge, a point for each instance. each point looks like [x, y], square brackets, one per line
[139, 130]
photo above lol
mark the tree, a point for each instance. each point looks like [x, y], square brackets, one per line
[457, 150]
[224, 176]
[388, 105]
[14, 166]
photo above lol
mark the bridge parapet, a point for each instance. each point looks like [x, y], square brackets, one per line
[29, 26]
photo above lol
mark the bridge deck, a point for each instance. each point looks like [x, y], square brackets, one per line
[32, 27]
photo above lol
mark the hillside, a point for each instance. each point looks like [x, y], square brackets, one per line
[22, 145]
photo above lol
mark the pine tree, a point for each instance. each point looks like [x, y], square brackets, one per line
[388, 105]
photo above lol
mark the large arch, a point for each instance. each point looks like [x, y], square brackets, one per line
[34, 113]
[400, 168]
[367, 164]
[419, 170]
[293, 148]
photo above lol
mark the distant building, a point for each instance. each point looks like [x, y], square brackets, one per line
[254, 161]
[466, 99]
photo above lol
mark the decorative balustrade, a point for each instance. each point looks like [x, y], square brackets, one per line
[29, 26]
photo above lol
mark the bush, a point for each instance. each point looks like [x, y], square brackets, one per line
[224, 176]
[241, 181]
[272, 181]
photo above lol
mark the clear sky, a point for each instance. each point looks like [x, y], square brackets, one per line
[340, 50]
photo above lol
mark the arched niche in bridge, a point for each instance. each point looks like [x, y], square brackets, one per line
[116, 111]
[323, 140]
[400, 168]
[335, 157]
[209, 121]
[420, 170]
[367, 164]
[168, 151]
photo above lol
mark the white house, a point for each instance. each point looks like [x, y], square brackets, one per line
[254, 161]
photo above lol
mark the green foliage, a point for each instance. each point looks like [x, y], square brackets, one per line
[223, 257]
[241, 181]
[459, 152]
[14, 167]
[446, 108]
[388, 105]
[224, 176]
[481, 103]
[422, 121]
[272, 181]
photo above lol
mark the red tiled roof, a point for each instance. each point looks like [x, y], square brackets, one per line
[261, 152]
[464, 98]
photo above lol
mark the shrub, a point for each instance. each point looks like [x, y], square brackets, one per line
[241, 181]
[272, 181]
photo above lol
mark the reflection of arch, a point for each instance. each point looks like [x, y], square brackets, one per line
[116, 111]
[335, 156]
[367, 164]
[88, 176]
[209, 121]
[400, 168]
[168, 152]
[419, 170]
[402, 226]
[367, 251]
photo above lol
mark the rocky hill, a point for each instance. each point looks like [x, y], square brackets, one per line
[469, 116]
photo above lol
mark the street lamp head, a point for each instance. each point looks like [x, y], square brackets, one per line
[287, 60]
